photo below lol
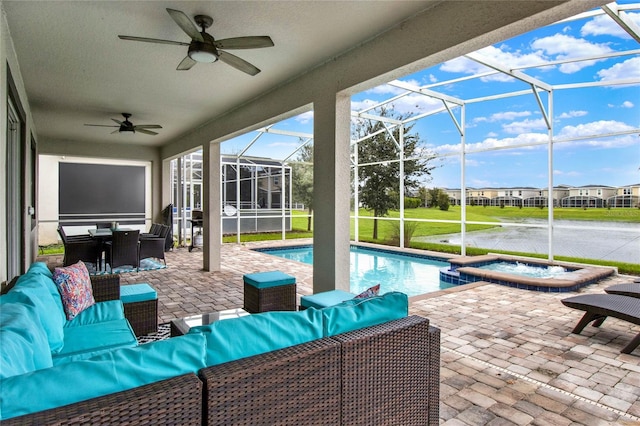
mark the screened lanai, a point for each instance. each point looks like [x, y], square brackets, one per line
[535, 89]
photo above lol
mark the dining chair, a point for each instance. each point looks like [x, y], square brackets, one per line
[154, 246]
[123, 249]
[81, 247]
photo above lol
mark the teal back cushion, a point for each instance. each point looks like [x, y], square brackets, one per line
[359, 313]
[250, 335]
[34, 288]
[23, 343]
[104, 374]
[40, 268]
[109, 310]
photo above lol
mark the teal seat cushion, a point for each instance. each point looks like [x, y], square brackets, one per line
[268, 279]
[137, 293]
[33, 289]
[83, 341]
[250, 335]
[326, 298]
[109, 310]
[354, 314]
[111, 372]
[23, 342]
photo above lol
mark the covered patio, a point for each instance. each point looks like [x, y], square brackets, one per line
[507, 355]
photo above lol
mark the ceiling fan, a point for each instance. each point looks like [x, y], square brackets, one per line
[127, 126]
[204, 48]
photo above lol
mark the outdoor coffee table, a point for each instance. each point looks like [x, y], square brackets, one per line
[181, 326]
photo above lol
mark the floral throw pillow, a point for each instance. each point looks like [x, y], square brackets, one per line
[74, 285]
[370, 292]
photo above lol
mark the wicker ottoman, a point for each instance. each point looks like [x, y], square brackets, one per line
[269, 291]
[140, 307]
[324, 299]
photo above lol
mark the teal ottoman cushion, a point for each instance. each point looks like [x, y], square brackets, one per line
[326, 298]
[268, 279]
[137, 293]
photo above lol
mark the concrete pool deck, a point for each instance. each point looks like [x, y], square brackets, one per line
[507, 357]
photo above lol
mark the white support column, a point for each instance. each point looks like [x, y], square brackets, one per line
[211, 207]
[401, 186]
[331, 192]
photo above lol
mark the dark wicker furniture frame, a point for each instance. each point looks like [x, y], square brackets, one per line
[383, 375]
[143, 316]
[279, 298]
[387, 374]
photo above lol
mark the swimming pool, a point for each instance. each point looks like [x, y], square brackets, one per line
[411, 274]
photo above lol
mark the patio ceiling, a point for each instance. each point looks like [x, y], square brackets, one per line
[76, 70]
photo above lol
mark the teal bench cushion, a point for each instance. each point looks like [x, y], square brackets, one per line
[359, 313]
[326, 298]
[137, 293]
[111, 372]
[23, 342]
[255, 334]
[268, 279]
[88, 340]
[109, 310]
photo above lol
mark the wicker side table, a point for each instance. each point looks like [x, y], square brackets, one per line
[269, 291]
[140, 307]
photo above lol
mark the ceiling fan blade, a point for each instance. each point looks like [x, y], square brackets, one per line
[250, 42]
[115, 131]
[100, 125]
[118, 121]
[186, 64]
[152, 40]
[147, 126]
[186, 24]
[146, 132]
[238, 63]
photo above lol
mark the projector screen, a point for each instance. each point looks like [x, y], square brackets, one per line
[95, 192]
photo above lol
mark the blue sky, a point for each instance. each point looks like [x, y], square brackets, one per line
[492, 124]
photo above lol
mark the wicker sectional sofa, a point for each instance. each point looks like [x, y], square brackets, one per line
[357, 363]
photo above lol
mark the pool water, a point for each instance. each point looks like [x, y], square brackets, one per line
[409, 274]
[523, 269]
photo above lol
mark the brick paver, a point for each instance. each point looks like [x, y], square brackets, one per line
[508, 355]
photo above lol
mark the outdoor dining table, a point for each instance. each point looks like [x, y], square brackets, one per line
[105, 233]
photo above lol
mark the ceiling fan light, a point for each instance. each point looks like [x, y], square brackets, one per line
[201, 52]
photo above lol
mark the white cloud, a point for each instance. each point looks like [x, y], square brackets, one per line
[627, 104]
[562, 46]
[593, 128]
[525, 126]
[492, 143]
[603, 25]
[502, 116]
[572, 114]
[569, 173]
[629, 69]
[305, 117]
[500, 55]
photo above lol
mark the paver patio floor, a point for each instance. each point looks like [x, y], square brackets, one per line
[508, 355]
